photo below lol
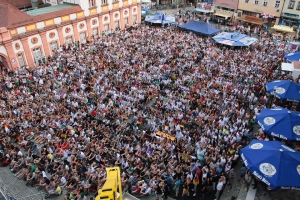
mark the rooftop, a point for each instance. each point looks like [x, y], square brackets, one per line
[20, 3]
[50, 9]
[12, 17]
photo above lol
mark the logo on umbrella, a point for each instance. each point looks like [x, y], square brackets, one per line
[296, 129]
[256, 146]
[269, 121]
[298, 169]
[288, 148]
[267, 169]
[279, 90]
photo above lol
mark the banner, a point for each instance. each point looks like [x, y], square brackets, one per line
[161, 134]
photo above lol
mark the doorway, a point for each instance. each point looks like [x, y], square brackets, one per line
[4, 65]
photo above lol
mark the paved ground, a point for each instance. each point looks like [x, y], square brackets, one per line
[237, 187]
[13, 187]
[277, 194]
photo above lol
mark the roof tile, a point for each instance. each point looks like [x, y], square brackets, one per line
[20, 3]
[12, 17]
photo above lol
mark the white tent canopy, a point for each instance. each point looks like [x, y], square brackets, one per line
[146, 1]
[293, 68]
[287, 67]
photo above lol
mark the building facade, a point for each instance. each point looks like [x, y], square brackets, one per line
[290, 15]
[225, 9]
[256, 9]
[27, 39]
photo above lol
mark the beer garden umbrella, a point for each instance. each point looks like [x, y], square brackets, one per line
[273, 163]
[280, 122]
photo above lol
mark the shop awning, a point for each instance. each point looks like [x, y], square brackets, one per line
[257, 22]
[223, 15]
[203, 10]
[283, 29]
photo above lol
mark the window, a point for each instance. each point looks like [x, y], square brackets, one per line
[95, 32]
[246, 1]
[256, 2]
[298, 6]
[106, 27]
[82, 38]
[37, 53]
[126, 20]
[21, 60]
[291, 4]
[116, 24]
[92, 3]
[104, 2]
[265, 3]
[277, 3]
[69, 40]
[38, 56]
[134, 19]
[53, 45]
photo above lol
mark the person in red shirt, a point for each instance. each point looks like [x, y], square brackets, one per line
[65, 145]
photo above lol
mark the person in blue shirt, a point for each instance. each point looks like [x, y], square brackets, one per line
[177, 186]
[169, 180]
[220, 170]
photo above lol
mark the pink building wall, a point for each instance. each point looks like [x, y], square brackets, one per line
[233, 4]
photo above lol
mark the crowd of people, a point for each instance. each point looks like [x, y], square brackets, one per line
[103, 103]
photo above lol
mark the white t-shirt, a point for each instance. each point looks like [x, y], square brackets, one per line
[220, 186]
[148, 190]
[63, 180]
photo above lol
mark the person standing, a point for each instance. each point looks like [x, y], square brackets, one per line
[243, 171]
[255, 181]
[165, 190]
[231, 176]
[219, 187]
[177, 186]
[195, 183]
[185, 192]
[248, 179]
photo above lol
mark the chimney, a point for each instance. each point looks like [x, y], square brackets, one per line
[35, 4]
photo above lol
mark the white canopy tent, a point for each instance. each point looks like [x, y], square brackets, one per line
[293, 68]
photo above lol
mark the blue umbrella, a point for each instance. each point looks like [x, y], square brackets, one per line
[293, 56]
[146, 10]
[280, 122]
[284, 90]
[275, 164]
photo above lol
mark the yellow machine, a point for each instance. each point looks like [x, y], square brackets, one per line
[112, 188]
